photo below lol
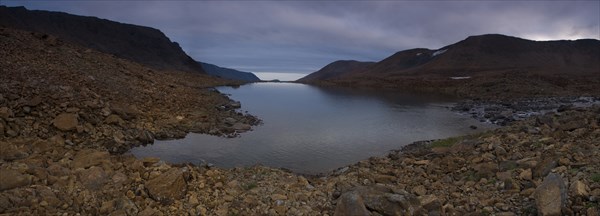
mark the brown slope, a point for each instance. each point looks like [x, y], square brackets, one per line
[336, 69]
[141, 44]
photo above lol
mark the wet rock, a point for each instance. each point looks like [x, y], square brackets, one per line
[235, 105]
[168, 186]
[10, 179]
[241, 127]
[93, 178]
[88, 158]
[550, 197]
[65, 121]
[145, 137]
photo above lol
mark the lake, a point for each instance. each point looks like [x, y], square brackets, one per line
[312, 130]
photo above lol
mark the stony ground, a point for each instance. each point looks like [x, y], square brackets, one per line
[68, 113]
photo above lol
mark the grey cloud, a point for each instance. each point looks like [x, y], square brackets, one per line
[302, 36]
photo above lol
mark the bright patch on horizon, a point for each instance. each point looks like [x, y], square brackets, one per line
[279, 76]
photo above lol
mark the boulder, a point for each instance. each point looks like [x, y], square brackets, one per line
[383, 199]
[93, 178]
[168, 186]
[88, 158]
[10, 179]
[551, 196]
[351, 204]
[10, 152]
[65, 121]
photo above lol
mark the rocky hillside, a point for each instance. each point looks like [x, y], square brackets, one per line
[140, 44]
[486, 65]
[228, 73]
[335, 69]
[53, 88]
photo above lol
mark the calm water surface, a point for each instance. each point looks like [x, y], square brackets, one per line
[310, 129]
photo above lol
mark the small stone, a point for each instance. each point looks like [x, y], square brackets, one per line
[578, 188]
[241, 127]
[114, 120]
[419, 190]
[34, 101]
[5, 113]
[593, 211]
[526, 174]
[421, 162]
[65, 121]
[279, 197]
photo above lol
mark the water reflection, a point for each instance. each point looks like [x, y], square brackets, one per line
[310, 130]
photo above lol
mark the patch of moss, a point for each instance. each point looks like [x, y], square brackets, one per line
[445, 142]
[249, 185]
[595, 177]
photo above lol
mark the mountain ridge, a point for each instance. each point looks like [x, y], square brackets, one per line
[228, 73]
[490, 62]
[145, 45]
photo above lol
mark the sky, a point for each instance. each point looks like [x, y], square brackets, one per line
[300, 37]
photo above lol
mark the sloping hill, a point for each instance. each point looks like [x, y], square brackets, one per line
[141, 44]
[228, 73]
[484, 65]
[489, 53]
[335, 69]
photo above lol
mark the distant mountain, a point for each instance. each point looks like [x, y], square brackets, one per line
[335, 69]
[141, 44]
[494, 53]
[229, 73]
[486, 63]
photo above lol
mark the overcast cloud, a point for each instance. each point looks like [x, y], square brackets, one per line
[303, 36]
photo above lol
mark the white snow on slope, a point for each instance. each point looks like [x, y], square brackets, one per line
[439, 52]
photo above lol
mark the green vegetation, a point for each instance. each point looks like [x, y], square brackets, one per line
[485, 212]
[445, 142]
[249, 185]
[596, 177]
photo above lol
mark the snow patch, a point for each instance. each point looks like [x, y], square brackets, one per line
[439, 52]
[418, 54]
[459, 78]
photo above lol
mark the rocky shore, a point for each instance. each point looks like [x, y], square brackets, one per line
[68, 113]
[505, 111]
